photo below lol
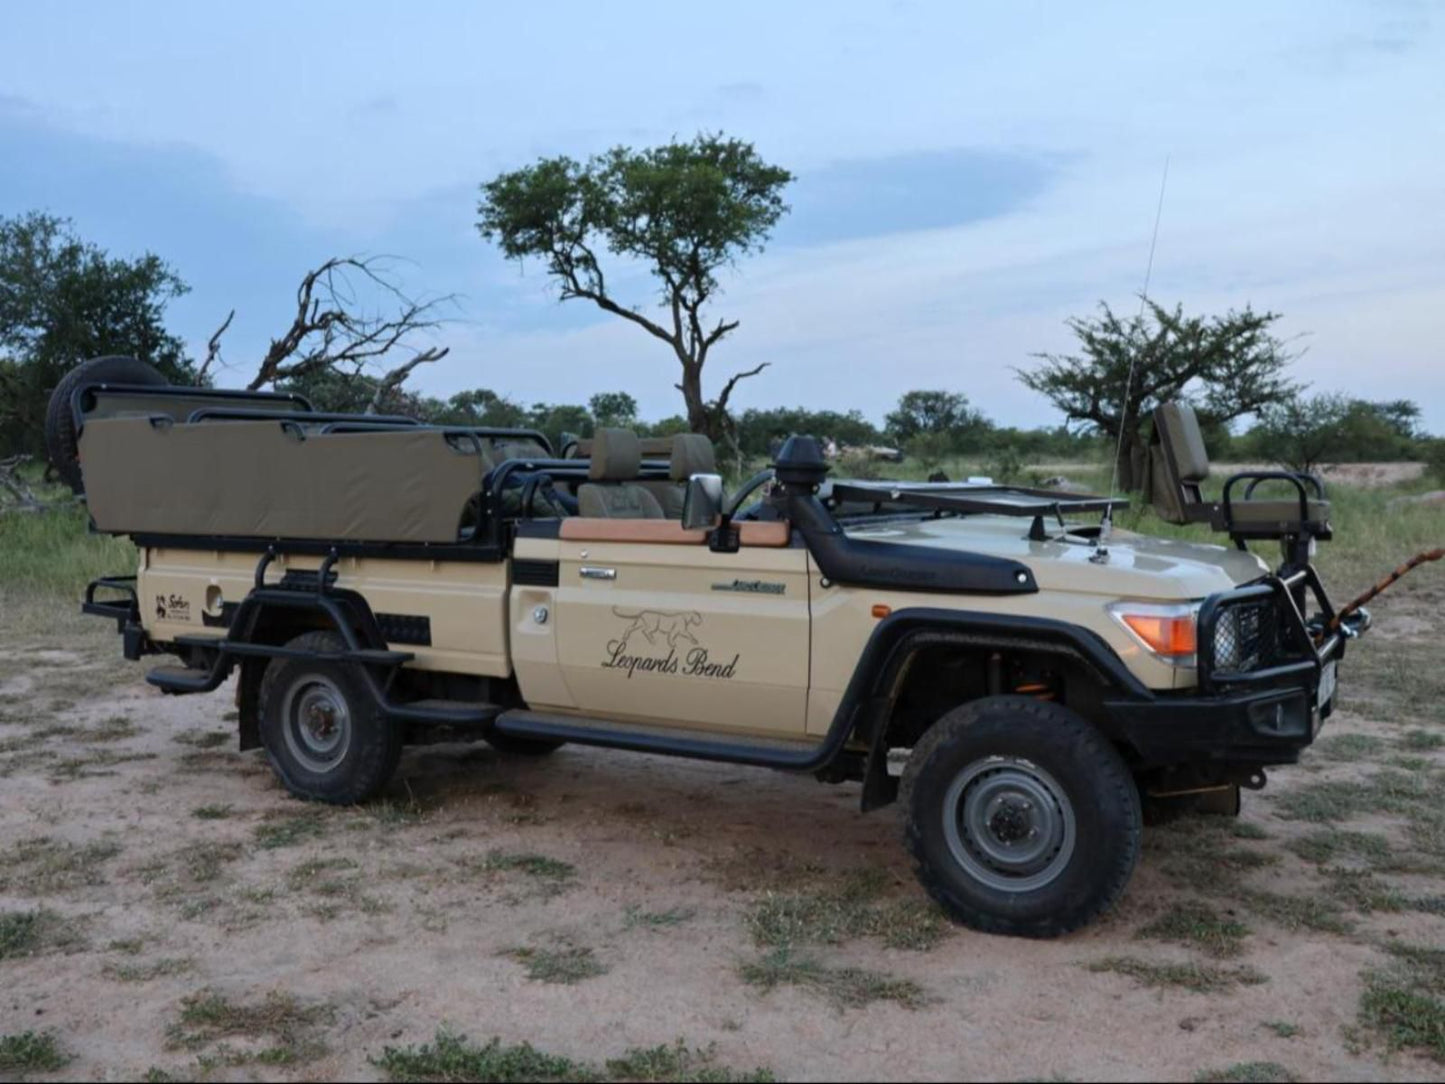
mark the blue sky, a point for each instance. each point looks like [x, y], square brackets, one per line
[968, 175]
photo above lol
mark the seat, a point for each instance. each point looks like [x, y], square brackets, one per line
[1178, 465]
[613, 491]
[688, 454]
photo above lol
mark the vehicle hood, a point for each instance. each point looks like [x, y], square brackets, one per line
[1138, 566]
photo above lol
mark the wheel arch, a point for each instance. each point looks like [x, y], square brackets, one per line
[903, 660]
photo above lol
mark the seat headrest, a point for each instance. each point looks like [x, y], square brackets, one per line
[616, 456]
[1179, 428]
[692, 453]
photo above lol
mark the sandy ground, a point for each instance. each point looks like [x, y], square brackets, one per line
[202, 875]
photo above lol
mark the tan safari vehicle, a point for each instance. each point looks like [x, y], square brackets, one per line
[1027, 684]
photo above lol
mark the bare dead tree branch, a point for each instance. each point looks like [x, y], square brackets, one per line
[722, 399]
[396, 377]
[332, 331]
[213, 350]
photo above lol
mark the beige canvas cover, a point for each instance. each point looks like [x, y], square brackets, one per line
[264, 479]
[121, 404]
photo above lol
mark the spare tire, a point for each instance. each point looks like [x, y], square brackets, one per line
[62, 441]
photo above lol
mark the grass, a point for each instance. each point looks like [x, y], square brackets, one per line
[1418, 740]
[1403, 1002]
[53, 553]
[1248, 1072]
[1195, 977]
[1205, 854]
[289, 831]
[161, 967]
[843, 987]
[1292, 912]
[41, 866]
[549, 876]
[1330, 845]
[842, 909]
[566, 964]
[278, 1018]
[451, 1057]
[1283, 1028]
[1349, 747]
[636, 918]
[212, 812]
[31, 1052]
[1363, 891]
[1199, 926]
[33, 933]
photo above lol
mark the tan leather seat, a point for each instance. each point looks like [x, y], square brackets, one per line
[689, 454]
[1178, 466]
[613, 491]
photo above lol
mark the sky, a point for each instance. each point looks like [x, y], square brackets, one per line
[969, 176]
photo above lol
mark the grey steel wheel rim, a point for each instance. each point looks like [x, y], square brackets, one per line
[316, 723]
[1009, 824]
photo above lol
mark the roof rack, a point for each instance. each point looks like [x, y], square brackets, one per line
[979, 499]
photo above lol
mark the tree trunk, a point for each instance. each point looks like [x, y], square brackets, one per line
[1130, 464]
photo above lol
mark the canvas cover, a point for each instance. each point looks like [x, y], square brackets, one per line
[110, 403]
[264, 479]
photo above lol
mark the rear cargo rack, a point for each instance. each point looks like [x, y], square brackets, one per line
[979, 499]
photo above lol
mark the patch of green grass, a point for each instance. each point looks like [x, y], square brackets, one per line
[1247, 830]
[161, 967]
[566, 964]
[291, 830]
[93, 765]
[40, 866]
[290, 1026]
[679, 1062]
[1349, 747]
[1198, 925]
[635, 917]
[450, 1057]
[1248, 1072]
[1202, 853]
[202, 739]
[1196, 977]
[1331, 844]
[550, 876]
[32, 933]
[32, 1052]
[1283, 1028]
[116, 728]
[1296, 912]
[1403, 1002]
[1419, 740]
[201, 863]
[1363, 891]
[842, 909]
[844, 987]
[212, 812]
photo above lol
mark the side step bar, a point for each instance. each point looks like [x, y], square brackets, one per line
[761, 752]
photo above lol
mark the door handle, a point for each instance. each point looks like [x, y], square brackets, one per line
[592, 572]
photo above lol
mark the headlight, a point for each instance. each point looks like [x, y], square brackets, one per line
[1168, 630]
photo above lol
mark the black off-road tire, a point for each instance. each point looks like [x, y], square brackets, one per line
[523, 747]
[991, 744]
[62, 443]
[372, 744]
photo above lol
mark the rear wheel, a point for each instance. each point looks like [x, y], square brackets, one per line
[62, 442]
[1020, 817]
[323, 732]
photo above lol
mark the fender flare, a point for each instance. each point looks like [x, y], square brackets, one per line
[901, 635]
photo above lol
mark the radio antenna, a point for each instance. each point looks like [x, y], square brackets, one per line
[1108, 523]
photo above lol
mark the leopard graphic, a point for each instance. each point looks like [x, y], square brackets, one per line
[670, 625]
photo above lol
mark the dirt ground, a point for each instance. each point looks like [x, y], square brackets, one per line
[187, 918]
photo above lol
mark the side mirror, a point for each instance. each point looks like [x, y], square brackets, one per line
[702, 503]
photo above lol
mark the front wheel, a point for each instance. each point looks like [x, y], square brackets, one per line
[323, 732]
[1020, 817]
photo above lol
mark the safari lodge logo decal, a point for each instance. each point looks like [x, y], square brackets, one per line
[663, 642]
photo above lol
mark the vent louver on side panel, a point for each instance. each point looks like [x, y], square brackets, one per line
[535, 573]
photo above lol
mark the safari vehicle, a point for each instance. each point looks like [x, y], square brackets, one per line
[1025, 681]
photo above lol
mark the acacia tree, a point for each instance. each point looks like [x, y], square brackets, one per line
[683, 210]
[63, 300]
[1228, 365]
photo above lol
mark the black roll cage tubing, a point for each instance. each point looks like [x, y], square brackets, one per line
[83, 396]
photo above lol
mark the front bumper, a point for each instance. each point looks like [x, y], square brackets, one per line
[1259, 696]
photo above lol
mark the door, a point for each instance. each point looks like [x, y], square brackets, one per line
[654, 626]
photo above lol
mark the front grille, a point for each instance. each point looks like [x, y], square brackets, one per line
[1247, 636]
